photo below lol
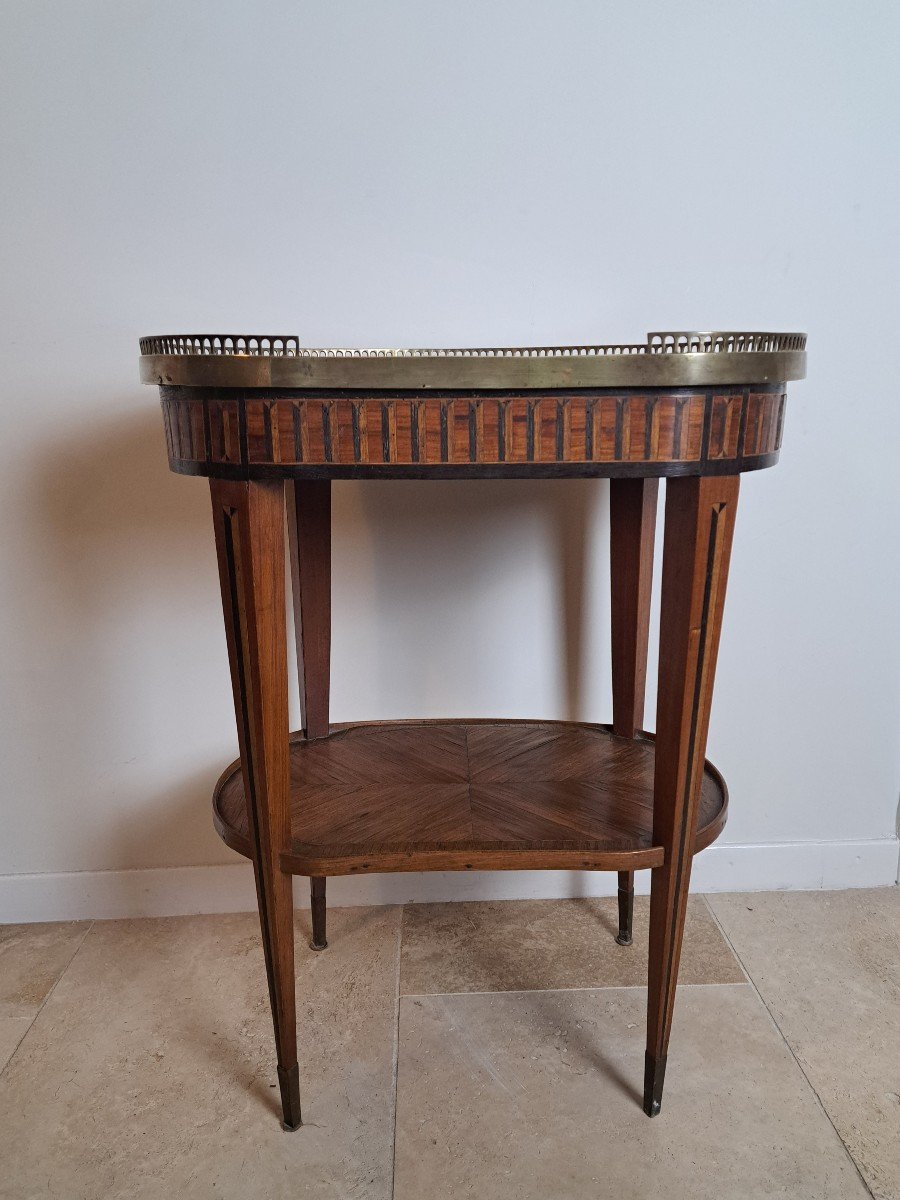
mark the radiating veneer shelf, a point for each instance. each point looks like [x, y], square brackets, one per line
[451, 795]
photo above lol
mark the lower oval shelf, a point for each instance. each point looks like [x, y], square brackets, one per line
[468, 795]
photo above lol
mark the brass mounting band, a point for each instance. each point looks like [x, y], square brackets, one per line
[665, 360]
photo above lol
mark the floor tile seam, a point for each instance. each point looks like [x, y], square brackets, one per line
[395, 1065]
[790, 1050]
[40, 1008]
[612, 987]
[22, 1036]
[727, 940]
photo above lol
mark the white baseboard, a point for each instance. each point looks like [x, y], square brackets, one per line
[180, 891]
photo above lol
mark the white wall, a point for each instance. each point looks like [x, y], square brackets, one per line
[408, 173]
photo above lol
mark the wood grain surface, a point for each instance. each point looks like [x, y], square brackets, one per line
[632, 530]
[699, 528]
[242, 433]
[248, 519]
[468, 795]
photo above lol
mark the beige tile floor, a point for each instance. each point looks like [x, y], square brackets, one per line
[458, 1050]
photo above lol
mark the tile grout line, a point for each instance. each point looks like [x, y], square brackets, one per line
[611, 987]
[396, 1062]
[56, 983]
[734, 954]
[790, 1048]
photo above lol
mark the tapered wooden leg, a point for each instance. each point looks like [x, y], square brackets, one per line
[317, 904]
[249, 525]
[700, 515]
[632, 520]
[626, 907]
[309, 520]
[309, 525]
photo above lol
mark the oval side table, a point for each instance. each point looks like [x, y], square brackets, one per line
[256, 412]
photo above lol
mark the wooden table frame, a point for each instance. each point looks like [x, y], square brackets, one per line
[255, 444]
